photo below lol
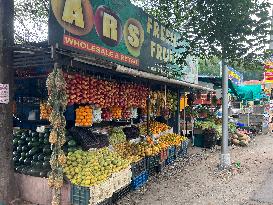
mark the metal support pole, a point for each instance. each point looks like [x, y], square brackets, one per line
[248, 123]
[184, 114]
[177, 121]
[148, 103]
[225, 156]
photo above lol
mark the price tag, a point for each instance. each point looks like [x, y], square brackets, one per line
[4, 93]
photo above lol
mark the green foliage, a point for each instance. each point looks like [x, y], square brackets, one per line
[234, 29]
[232, 128]
[209, 66]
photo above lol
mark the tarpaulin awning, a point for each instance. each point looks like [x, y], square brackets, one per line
[250, 92]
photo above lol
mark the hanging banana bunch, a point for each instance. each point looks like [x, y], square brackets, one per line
[57, 101]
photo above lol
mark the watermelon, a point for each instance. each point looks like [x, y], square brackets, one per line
[19, 168]
[43, 173]
[33, 172]
[71, 143]
[33, 151]
[47, 158]
[25, 170]
[21, 160]
[23, 137]
[19, 148]
[29, 144]
[15, 141]
[47, 150]
[15, 154]
[28, 139]
[41, 157]
[41, 140]
[41, 135]
[32, 163]
[27, 161]
[35, 144]
[35, 157]
[46, 141]
[16, 160]
[21, 142]
[27, 155]
[25, 148]
[46, 165]
[35, 139]
[35, 135]
[39, 164]
[23, 155]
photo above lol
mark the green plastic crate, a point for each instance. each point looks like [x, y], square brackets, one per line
[80, 195]
[199, 140]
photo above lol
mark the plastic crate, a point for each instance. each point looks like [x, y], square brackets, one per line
[199, 140]
[161, 166]
[171, 151]
[170, 160]
[178, 150]
[185, 145]
[152, 162]
[121, 193]
[108, 201]
[163, 155]
[153, 171]
[139, 181]
[138, 167]
[80, 195]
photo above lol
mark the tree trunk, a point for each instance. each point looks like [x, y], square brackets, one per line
[8, 188]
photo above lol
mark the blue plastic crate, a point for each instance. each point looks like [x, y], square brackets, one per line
[152, 162]
[80, 195]
[171, 151]
[138, 167]
[140, 180]
[185, 145]
[170, 160]
[161, 166]
[178, 150]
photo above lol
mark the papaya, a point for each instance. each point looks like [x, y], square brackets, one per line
[235, 141]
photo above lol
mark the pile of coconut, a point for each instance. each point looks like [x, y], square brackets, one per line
[241, 137]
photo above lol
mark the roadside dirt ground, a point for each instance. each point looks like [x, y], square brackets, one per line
[196, 180]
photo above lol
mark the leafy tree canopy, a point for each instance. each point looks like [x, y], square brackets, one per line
[211, 67]
[31, 19]
[237, 29]
[234, 30]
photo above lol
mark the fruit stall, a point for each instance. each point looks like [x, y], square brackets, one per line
[111, 140]
[97, 120]
[108, 150]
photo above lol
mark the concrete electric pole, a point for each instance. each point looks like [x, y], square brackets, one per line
[8, 187]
